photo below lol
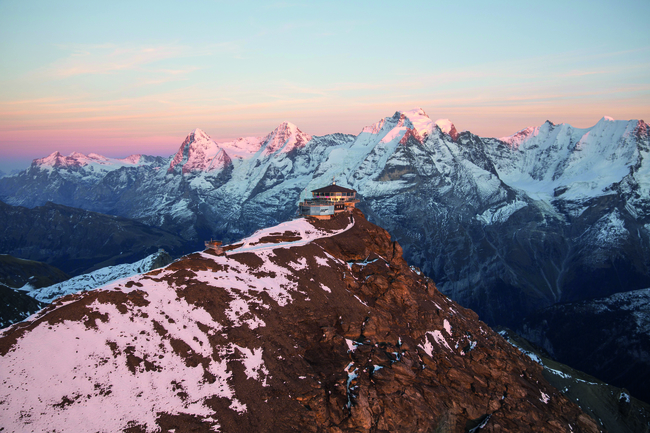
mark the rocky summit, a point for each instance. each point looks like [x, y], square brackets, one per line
[305, 326]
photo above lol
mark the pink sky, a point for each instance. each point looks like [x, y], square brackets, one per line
[96, 77]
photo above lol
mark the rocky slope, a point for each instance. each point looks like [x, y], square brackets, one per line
[17, 273]
[613, 408]
[78, 241]
[301, 327]
[610, 338]
[16, 305]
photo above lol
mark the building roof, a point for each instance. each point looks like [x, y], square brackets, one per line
[333, 188]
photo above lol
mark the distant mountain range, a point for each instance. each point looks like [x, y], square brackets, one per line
[505, 226]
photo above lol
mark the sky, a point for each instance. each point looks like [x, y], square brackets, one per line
[124, 77]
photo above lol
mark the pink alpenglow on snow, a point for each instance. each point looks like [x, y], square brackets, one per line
[199, 153]
[447, 127]
[76, 159]
[414, 123]
[284, 138]
[134, 352]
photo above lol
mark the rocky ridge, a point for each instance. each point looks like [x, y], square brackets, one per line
[305, 326]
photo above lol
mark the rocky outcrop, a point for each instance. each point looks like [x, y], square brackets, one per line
[318, 327]
[613, 408]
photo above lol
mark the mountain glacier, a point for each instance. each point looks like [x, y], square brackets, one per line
[504, 226]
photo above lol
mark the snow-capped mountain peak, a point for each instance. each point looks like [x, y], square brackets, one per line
[420, 121]
[131, 159]
[515, 140]
[447, 127]
[284, 138]
[54, 159]
[75, 159]
[198, 153]
[375, 127]
[199, 135]
[413, 123]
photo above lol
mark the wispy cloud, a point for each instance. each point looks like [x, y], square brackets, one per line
[104, 59]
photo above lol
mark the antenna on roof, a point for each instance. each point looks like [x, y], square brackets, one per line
[333, 180]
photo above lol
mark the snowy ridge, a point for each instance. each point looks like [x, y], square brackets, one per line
[91, 161]
[515, 140]
[94, 279]
[244, 147]
[299, 228]
[559, 159]
[88, 356]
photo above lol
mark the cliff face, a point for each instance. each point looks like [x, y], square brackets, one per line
[302, 327]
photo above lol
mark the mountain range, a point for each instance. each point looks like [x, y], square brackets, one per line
[505, 226]
[79, 241]
[305, 326]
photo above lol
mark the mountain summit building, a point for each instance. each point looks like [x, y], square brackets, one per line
[327, 201]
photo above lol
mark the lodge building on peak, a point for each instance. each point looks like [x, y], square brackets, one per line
[327, 201]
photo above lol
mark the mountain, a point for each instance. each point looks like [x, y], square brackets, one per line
[78, 241]
[303, 326]
[18, 273]
[505, 226]
[199, 153]
[69, 180]
[16, 305]
[614, 409]
[474, 213]
[100, 277]
[610, 337]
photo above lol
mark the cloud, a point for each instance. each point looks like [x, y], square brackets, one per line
[105, 59]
